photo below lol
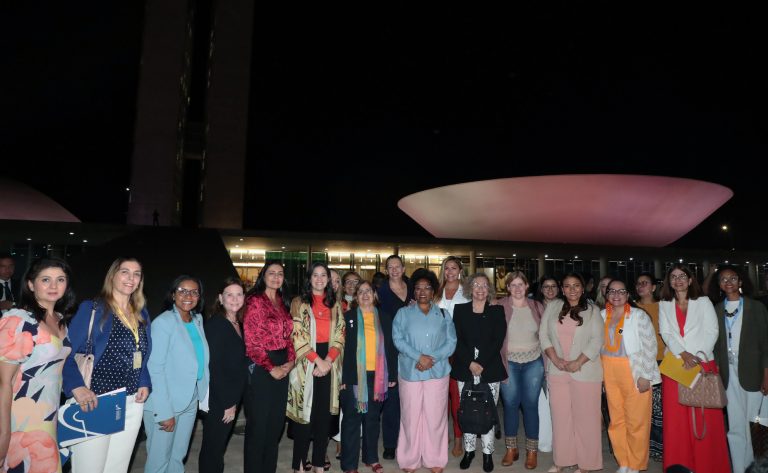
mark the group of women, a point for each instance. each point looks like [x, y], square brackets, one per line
[390, 357]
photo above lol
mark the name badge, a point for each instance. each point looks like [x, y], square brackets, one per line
[136, 360]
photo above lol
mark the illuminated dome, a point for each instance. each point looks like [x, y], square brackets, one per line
[595, 209]
[21, 202]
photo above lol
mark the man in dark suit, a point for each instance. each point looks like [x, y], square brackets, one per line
[9, 289]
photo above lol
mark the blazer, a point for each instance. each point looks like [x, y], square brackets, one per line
[349, 365]
[700, 327]
[588, 340]
[485, 332]
[102, 328]
[753, 344]
[173, 366]
[228, 366]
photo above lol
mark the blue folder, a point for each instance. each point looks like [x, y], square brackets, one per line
[75, 426]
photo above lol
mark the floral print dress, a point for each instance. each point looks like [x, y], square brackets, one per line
[36, 392]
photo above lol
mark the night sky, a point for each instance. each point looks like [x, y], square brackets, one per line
[352, 110]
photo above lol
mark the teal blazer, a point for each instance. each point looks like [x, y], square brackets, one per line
[172, 366]
[753, 344]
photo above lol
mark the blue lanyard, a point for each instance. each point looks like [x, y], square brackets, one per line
[729, 321]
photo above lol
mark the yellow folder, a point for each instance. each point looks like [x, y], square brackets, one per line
[672, 367]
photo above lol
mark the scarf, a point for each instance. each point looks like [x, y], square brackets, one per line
[381, 375]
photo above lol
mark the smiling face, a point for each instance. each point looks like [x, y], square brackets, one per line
[573, 290]
[318, 280]
[451, 271]
[232, 298]
[49, 286]
[679, 281]
[644, 286]
[127, 278]
[603, 285]
[395, 269]
[350, 284]
[365, 295]
[480, 288]
[729, 283]
[423, 292]
[617, 294]
[549, 289]
[186, 296]
[517, 288]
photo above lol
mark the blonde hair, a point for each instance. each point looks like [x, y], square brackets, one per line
[457, 260]
[136, 301]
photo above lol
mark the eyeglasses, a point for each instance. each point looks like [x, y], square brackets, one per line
[351, 282]
[733, 279]
[548, 286]
[642, 283]
[187, 292]
[479, 285]
[676, 277]
[613, 292]
[364, 291]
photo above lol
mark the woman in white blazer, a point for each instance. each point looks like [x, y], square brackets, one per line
[688, 325]
[629, 369]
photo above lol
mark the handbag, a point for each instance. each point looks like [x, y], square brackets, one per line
[758, 427]
[477, 412]
[707, 393]
[85, 360]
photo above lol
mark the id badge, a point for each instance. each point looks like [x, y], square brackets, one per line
[136, 360]
[731, 357]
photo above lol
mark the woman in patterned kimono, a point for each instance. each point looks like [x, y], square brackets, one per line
[33, 347]
[318, 338]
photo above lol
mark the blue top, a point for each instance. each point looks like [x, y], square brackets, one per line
[194, 335]
[102, 328]
[416, 334]
[114, 369]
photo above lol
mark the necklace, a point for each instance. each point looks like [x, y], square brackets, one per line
[617, 330]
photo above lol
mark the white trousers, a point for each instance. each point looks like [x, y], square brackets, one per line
[545, 424]
[488, 438]
[743, 406]
[110, 453]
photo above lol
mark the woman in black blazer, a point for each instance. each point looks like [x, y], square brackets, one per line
[480, 331]
[365, 308]
[229, 373]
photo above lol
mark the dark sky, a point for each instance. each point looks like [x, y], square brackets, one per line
[351, 111]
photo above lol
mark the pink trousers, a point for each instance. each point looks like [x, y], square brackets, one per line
[576, 422]
[423, 440]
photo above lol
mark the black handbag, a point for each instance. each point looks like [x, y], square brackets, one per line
[477, 411]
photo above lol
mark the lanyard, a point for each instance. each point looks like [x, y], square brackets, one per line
[729, 321]
[134, 330]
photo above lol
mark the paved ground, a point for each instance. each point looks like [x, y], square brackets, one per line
[234, 458]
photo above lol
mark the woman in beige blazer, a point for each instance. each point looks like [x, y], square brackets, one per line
[571, 336]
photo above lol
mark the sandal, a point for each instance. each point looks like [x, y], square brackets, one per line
[376, 467]
[327, 464]
[307, 466]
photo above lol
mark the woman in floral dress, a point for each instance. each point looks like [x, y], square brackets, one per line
[33, 347]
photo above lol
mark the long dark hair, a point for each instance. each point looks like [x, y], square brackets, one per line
[168, 301]
[716, 294]
[218, 308]
[261, 286]
[573, 311]
[306, 291]
[64, 306]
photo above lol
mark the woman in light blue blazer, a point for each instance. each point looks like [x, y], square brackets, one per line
[178, 367]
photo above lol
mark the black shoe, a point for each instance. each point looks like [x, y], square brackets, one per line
[389, 454]
[487, 462]
[467, 460]
[498, 432]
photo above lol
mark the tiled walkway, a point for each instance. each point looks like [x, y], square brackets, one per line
[234, 458]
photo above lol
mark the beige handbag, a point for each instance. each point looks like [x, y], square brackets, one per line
[85, 360]
[707, 393]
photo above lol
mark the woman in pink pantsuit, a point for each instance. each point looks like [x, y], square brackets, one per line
[425, 338]
[571, 335]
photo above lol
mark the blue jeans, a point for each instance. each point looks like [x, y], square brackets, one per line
[522, 389]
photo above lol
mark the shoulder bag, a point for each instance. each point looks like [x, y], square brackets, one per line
[85, 360]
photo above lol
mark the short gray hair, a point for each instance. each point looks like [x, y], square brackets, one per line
[471, 280]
